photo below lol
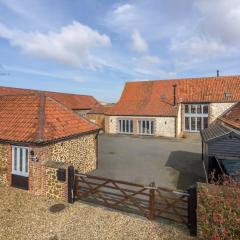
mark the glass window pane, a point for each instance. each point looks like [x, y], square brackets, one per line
[205, 122]
[143, 126]
[193, 123]
[119, 125]
[21, 159]
[123, 127]
[148, 127]
[193, 109]
[152, 127]
[205, 109]
[131, 128]
[199, 123]
[26, 159]
[15, 158]
[199, 108]
[187, 123]
[186, 108]
[127, 125]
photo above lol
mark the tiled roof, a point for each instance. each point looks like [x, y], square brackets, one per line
[156, 97]
[215, 131]
[72, 101]
[38, 118]
[232, 116]
[100, 109]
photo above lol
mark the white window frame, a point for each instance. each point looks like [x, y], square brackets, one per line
[120, 128]
[17, 171]
[143, 131]
[195, 115]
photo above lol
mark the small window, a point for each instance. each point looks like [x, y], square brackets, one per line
[199, 109]
[205, 109]
[186, 108]
[193, 109]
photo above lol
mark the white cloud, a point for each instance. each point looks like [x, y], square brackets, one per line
[215, 33]
[123, 9]
[71, 45]
[139, 44]
[151, 67]
[197, 46]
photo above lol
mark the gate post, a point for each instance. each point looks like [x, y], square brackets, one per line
[70, 184]
[192, 210]
[152, 201]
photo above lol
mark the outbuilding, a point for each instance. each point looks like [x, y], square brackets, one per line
[38, 137]
[221, 143]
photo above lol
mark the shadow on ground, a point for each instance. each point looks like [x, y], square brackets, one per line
[189, 166]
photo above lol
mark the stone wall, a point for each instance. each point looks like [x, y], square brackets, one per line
[81, 152]
[43, 180]
[164, 126]
[4, 164]
[217, 109]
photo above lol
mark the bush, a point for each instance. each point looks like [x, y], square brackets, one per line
[219, 209]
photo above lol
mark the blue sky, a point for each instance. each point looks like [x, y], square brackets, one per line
[95, 46]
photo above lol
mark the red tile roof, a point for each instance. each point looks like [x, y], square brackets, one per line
[38, 118]
[232, 116]
[155, 98]
[100, 109]
[72, 101]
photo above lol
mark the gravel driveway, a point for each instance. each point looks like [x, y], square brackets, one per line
[26, 217]
[169, 162]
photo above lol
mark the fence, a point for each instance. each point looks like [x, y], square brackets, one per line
[149, 201]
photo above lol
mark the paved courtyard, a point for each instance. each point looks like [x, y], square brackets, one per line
[173, 163]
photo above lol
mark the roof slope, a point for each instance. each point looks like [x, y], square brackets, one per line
[72, 101]
[37, 118]
[215, 131]
[232, 116]
[156, 97]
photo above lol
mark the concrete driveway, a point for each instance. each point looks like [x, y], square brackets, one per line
[172, 163]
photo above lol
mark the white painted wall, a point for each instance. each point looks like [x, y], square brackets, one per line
[164, 126]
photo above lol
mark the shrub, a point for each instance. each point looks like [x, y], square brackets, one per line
[219, 209]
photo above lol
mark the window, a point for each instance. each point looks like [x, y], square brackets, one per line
[125, 126]
[20, 161]
[146, 127]
[195, 117]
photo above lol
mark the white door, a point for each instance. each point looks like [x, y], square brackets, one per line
[20, 161]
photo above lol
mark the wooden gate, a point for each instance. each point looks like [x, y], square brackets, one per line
[149, 201]
[111, 193]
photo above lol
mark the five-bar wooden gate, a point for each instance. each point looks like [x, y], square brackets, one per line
[150, 201]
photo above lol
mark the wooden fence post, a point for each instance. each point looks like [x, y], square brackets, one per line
[152, 201]
[70, 184]
[192, 210]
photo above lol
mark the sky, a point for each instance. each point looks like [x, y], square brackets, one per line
[94, 46]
